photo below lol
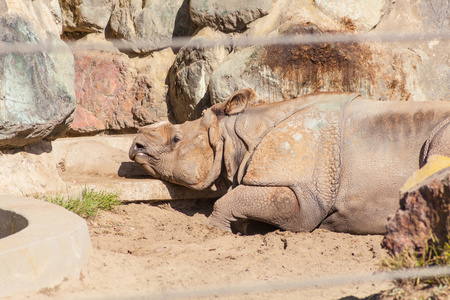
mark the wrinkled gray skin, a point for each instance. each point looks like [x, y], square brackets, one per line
[327, 160]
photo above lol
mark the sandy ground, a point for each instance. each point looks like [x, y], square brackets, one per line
[141, 250]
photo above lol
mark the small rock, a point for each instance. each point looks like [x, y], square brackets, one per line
[424, 209]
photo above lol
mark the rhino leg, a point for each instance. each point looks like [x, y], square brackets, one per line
[273, 205]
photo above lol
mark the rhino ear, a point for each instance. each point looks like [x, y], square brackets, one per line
[236, 103]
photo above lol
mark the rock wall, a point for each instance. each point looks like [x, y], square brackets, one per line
[118, 89]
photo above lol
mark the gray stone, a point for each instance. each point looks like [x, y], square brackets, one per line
[363, 14]
[237, 72]
[37, 98]
[436, 14]
[190, 74]
[228, 16]
[45, 15]
[154, 68]
[84, 16]
[422, 16]
[150, 22]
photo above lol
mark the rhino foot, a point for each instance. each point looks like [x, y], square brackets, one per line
[277, 206]
[218, 222]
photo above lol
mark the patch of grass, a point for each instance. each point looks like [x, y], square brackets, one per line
[435, 254]
[410, 292]
[88, 204]
[396, 293]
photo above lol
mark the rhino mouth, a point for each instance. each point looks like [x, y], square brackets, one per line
[141, 157]
[135, 150]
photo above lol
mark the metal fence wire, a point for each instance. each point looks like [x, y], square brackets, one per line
[287, 285]
[240, 41]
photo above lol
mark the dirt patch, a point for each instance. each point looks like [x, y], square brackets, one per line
[150, 248]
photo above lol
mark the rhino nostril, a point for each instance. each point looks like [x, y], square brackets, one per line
[139, 146]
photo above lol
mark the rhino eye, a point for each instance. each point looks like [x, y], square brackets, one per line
[176, 138]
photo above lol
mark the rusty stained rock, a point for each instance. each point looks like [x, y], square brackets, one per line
[345, 67]
[423, 212]
[284, 72]
[112, 95]
[321, 67]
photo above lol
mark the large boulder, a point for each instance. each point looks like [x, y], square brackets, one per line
[152, 103]
[37, 98]
[423, 16]
[282, 72]
[149, 23]
[228, 16]
[423, 216]
[114, 94]
[433, 17]
[85, 16]
[190, 74]
[364, 14]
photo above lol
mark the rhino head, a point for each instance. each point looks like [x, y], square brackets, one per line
[188, 154]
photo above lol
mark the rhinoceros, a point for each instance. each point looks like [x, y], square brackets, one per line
[327, 160]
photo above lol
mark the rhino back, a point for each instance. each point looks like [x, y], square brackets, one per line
[381, 147]
[381, 137]
[253, 125]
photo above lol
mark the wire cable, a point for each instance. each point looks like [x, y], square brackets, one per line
[241, 41]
